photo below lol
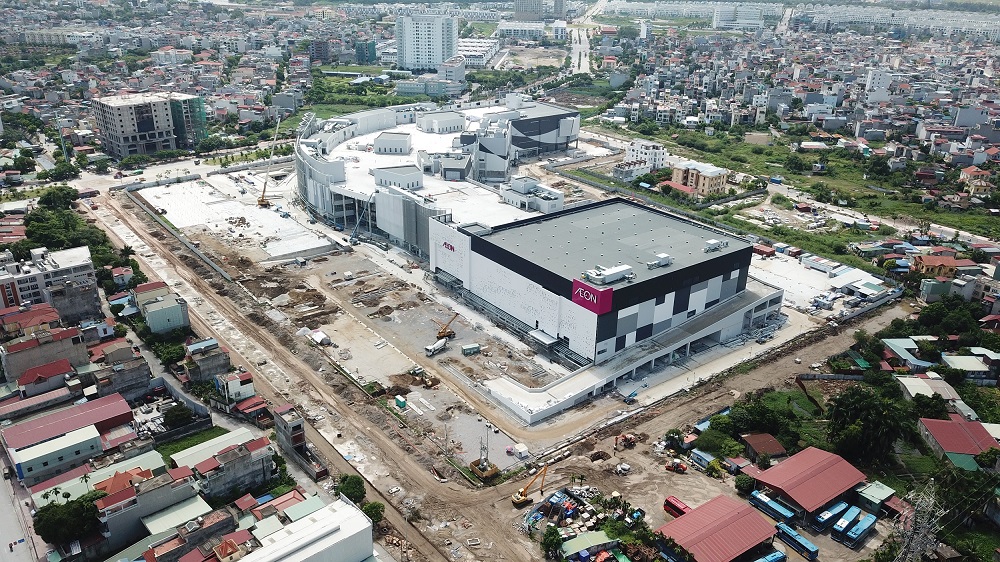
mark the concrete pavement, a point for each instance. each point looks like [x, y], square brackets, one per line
[14, 528]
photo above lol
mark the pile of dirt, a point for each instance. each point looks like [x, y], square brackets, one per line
[384, 310]
[600, 456]
[397, 390]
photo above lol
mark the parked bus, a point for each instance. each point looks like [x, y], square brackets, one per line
[773, 557]
[830, 516]
[773, 509]
[857, 535]
[675, 507]
[844, 523]
[798, 543]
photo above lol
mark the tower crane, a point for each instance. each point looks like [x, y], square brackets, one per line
[262, 201]
[521, 497]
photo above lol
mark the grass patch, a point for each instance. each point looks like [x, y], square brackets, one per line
[168, 449]
[363, 69]
[897, 483]
[793, 403]
[978, 542]
[325, 111]
[485, 27]
[919, 464]
[812, 433]
[281, 490]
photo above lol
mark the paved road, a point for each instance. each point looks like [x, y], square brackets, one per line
[13, 528]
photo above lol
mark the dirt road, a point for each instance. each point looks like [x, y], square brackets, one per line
[488, 512]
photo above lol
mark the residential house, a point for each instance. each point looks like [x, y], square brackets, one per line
[43, 378]
[238, 467]
[19, 355]
[165, 314]
[205, 359]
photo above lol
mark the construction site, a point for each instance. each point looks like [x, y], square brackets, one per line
[394, 369]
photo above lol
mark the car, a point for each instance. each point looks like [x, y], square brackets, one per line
[394, 490]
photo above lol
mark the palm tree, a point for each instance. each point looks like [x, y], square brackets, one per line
[86, 480]
[126, 251]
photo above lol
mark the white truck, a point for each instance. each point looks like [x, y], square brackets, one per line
[438, 347]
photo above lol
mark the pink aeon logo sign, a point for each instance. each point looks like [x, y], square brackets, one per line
[597, 301]
[449, 246]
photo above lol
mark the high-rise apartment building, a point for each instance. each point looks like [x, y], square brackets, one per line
[149, 122]
[423, 41]
[528, 10]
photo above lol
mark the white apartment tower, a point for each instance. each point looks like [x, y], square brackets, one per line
[424, 41]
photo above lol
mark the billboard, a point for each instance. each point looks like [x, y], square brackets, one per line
[595, 300]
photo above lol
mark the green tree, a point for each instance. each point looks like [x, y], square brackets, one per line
[934, 406]
[744, 484]
[795, 163]
[722, 424]
[24, 164]
[763, 461]
[58, 198]
[81, 161]
[167, 353]
[551, 542]
[120, 331]
[63, 523]
[102, 166]
[374, 511]
[352, 486]
[178, 416]
[864, 425]
[988, 459]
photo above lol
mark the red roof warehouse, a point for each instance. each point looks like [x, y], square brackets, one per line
[720, 530]
[104, 413]
[811, 478]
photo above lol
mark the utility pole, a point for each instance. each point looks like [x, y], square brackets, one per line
[918, 532]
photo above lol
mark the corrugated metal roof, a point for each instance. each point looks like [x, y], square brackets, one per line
[53, 425]
[720, 530]
[812, 477]
[959, 436]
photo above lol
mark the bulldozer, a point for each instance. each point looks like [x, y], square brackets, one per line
[445, 331]
[521, 498]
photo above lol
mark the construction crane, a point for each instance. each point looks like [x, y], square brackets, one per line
[354, 233]
[262, 201]
[445, 331]
[520, 498]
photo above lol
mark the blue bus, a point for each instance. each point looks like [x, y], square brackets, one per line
[829, 516]
[844, 523]
[798, 543]
[857, 535]
[773, 557]
[773, 509]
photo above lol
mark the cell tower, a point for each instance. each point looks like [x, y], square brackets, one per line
[917, 530]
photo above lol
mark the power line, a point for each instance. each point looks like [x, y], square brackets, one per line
[918, 532]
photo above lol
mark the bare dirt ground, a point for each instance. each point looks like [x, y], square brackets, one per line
[268, 306]
[530, 57]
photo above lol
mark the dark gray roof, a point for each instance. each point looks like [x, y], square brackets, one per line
[611, 233]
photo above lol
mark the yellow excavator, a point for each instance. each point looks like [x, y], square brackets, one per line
[522, 497]
[445, 330]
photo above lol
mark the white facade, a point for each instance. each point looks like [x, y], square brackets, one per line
[22, 283]
[401, 177]
[392, 143]
[441, 122]
[653, 153]
[424, 42]
[452, 69]
[520, 30]
[338, 532]
[478, 52]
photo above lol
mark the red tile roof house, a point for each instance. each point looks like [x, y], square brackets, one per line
[43, 378]
[810, 479]
[720, 530]
[955, 435]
